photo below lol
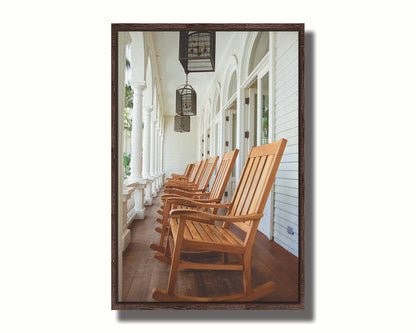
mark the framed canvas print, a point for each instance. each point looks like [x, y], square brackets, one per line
[207, 166]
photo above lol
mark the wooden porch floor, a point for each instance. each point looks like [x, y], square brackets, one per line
[142, 273]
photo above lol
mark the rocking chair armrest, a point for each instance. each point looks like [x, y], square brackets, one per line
[187, 213]
[178, 180]
[181, 177]
[173, 181]
[191, 191]
[174, 195]
[194, 189]
[185, 185]
[213, 200]
[177, 187]
[182, 193]
[177, 175]
[202, 203]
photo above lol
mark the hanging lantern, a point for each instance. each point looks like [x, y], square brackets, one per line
[197, 51]
[182, 124]
[186, 100]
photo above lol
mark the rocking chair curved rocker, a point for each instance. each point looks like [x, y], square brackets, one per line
[197, 230]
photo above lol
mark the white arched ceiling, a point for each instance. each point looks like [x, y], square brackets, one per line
[201, 124]
[232, 86]
[154, 93]
[207, 113]
[259, 50]
[217, 104]
[247, 53]
[230, 67]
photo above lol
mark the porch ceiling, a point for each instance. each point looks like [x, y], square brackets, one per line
[171, 71]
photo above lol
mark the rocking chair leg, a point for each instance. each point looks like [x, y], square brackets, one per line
[164, 225]
[163, 234]
[175, 260]
[247, 273]
[168, 252]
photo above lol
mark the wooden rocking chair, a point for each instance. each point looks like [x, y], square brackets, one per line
[197, 230]
[185, 175]
[207, 169]
[214, 196]
[193, 180]
[192, 175]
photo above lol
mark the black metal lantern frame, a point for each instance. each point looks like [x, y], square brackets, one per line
[197, 51]
[182, 124]
[186, 100]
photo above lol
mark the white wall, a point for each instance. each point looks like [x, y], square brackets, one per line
[179, 149]
[286, 126]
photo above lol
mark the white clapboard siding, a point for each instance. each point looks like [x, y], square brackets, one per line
[287, 199]
[289, 133]
[287, 174]
[286, 191]
[288, 166]
[291, 157]
[282, 223]
[288, 216]
[286, 120]
[288, 101]
[293, 209]
[286, 109]
[287, 93]
[291, 149]
[286, 125]
[289, 242]
[286, 182]
[292, 141]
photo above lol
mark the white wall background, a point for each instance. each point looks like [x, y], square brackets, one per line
[55, 179]
[179, 149]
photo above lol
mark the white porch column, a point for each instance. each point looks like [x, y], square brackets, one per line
[159, 148]
[153, 153]
[136, 131]
[147, 114]
[136, 178]
[161, 159]
[157, 157]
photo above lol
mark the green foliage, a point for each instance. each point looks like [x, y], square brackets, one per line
[128, 101]
[127, 120]
[126, 163]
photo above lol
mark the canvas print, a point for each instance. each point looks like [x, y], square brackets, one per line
[207, 166]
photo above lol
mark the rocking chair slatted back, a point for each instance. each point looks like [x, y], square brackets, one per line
[207, 173]
[188, 170]
[223, 174]
[201, 170]
[256, 181]
[194, 172]
[186, 174]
